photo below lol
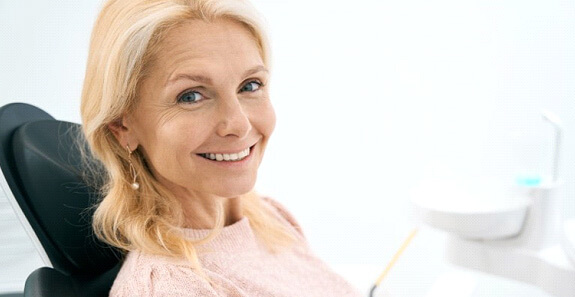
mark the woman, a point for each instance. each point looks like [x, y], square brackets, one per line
[175, 105]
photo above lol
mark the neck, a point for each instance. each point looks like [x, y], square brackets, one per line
[203, 213]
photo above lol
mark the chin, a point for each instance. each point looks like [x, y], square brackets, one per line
[234, 190]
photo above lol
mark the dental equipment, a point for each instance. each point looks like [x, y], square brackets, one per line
[556, 123]
[523, 238]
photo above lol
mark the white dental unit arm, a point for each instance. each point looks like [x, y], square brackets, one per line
[526, 240]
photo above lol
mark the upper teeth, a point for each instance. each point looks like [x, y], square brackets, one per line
[227, 157]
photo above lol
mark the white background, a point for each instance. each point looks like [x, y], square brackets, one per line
[373, 98]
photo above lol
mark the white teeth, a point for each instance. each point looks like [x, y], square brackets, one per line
[227, 157]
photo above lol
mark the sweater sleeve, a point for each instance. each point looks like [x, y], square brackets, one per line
[140, 276]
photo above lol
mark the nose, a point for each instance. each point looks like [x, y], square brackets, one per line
[233, 120]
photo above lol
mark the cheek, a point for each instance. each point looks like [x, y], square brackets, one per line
[182, 137]
[265, 119]
[168, 142]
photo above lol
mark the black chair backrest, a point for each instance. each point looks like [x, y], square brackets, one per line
[41, 159]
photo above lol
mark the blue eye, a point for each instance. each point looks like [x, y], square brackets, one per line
[190, 97]
[251, 86]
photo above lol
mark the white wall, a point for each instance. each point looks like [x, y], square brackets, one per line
[373, 98]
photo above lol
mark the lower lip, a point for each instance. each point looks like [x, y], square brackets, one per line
[231, 164]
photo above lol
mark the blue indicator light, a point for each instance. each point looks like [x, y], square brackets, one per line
[529, 180]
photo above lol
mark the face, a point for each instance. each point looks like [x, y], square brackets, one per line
[203, 116]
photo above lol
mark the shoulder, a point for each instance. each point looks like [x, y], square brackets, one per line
[282, 212]
[151, 275]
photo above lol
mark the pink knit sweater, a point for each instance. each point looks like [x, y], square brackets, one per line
[238, 265]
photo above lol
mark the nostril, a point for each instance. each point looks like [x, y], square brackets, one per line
[234, 121]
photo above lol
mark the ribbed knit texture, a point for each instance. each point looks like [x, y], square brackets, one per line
[237, 264]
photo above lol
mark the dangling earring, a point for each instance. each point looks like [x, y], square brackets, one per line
[135, 185]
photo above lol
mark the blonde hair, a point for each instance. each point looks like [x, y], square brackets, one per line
[126, 36]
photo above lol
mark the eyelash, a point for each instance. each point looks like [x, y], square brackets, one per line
[181, 95]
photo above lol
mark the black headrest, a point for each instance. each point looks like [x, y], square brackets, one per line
[52, 173]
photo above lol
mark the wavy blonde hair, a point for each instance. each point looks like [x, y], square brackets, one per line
[126, 37]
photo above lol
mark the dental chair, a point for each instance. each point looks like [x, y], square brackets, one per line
[43, 172]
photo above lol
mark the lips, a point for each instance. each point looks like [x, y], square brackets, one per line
[227, 157]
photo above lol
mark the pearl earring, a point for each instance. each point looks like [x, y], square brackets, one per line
[135, 185]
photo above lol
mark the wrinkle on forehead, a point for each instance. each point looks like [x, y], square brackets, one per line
[218, 50]
[167, 40]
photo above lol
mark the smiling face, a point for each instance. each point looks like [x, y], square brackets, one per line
[203, 115]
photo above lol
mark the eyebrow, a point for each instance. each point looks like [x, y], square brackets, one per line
[206, 80]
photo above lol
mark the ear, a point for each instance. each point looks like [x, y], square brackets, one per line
[123, 132]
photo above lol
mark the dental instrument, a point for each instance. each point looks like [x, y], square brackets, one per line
[394, 259]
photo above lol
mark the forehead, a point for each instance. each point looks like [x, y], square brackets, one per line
[197, 42]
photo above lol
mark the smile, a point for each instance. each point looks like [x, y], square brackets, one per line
[227, 157]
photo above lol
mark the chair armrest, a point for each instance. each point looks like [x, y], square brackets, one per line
[47, 282]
